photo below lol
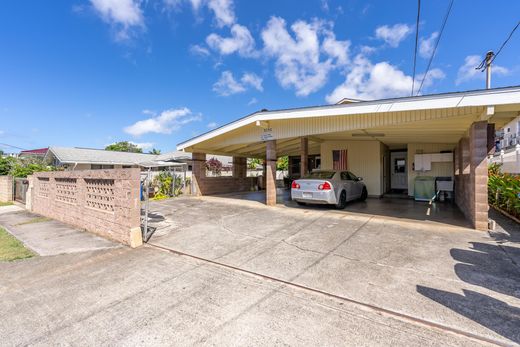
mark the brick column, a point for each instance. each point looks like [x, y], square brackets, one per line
[304, 155]
[462, 191]
[478, 191]
[239, 167]
[270, 173]
[198, 172]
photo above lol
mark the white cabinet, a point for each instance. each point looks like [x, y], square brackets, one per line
[423, 162]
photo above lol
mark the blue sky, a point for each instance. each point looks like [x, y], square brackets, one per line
[157, 72]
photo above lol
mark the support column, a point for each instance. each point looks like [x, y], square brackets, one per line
[478, 190]
[239, 167]
[304, 154]
[270, 173]
[198, 172]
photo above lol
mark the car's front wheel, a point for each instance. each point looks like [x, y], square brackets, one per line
[342, 201]
[364, 194]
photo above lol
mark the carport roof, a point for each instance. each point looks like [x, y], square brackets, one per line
[460, 104]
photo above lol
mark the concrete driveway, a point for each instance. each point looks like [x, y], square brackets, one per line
[270, 276]
[450, 276]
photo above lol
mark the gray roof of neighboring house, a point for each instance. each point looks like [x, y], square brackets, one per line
[74, 155]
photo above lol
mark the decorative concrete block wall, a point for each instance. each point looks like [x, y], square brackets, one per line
[104, 202]
[6, 188]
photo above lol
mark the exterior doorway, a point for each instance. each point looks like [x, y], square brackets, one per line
[399, 171]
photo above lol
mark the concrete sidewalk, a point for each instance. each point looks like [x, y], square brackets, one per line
[49, 237]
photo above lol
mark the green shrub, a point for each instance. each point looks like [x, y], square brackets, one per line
[504, 190]
[163, 185]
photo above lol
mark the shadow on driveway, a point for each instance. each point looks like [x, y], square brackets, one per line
[488, 266]
[494, 314]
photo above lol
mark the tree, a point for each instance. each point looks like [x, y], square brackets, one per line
[6, 164]
[214, 166]
[252, 163]
[282, 164]
[124, 146]
[155, 151]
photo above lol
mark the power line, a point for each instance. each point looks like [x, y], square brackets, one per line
[436, 44]
[416, 42]
[7, 145]
[482, 65]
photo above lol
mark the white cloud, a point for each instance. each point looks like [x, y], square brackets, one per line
[298, 60]
[227, 85]
[199, 50]
[368, 81]
[143, 145]
[240, 42]
[252, 101]
[223, 10]
[468, 72]
[325, 5]
[123, 15]
[253, 80]
[426, 45]
[164, 123]
[212, 125]
[393, 35]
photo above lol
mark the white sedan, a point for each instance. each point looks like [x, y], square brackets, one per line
[329, 187]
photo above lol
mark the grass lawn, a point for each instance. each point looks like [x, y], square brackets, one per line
[9, 203]
[11, 248]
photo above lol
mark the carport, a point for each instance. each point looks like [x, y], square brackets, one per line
[387, 142]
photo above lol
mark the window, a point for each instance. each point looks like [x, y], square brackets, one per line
[127, 166]
[400, 165]
[101, 167]
[321, 175]
[352, 176]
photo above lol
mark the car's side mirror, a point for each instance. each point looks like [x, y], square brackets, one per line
[360, 178]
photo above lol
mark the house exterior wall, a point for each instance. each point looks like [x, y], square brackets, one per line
[105, 202]
[6, 188]
[363, 159]
[438, 169]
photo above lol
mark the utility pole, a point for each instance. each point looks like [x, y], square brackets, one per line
[489, 58]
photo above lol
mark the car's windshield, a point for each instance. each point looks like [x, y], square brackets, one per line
[324, 175]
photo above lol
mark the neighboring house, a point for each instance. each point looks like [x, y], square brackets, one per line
[73, 158]
[509, 136]
[394, 144]
[34, 153]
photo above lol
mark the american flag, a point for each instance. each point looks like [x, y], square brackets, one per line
[339, 159]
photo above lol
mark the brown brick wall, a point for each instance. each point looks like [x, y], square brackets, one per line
[105, 202]
[239, 182]
[6, 188]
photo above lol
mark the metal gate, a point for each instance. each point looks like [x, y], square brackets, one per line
[21, 185]
[150, 218]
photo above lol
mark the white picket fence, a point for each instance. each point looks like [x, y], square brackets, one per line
[509, 160]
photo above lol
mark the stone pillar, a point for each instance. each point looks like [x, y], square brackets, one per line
[304, 154]
[270, 173]
[198, 172]
[239, 167]
[478, 190]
